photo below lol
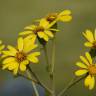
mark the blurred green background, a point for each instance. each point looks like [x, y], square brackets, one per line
[16, 14]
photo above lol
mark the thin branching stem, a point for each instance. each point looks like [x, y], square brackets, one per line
[39, 81]
[71, 84]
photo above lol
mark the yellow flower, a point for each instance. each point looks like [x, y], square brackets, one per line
[17, 59]
[41, 30]
[87, 67]
[91, 38]
[64, 16]
[1, 47]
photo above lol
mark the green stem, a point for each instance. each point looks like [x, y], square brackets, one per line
[71, 84]
[39, 81]
[52, 78]
[34, 85]
[46, 57]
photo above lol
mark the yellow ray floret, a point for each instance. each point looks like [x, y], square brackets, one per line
[87, 67]
[17, 59]
[91, 38]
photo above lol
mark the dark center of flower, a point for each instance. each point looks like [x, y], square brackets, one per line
[51, 17]
[92, 70]
[20, 56]
[38, 29]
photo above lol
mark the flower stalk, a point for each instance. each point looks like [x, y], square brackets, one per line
[73, 82]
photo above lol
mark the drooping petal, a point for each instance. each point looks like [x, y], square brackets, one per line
[81, 72]
[92, 83]
[43, 35]
[20, 44]
[87, 81]
[81, 65]
[22, 67]
[83, 59]
[88, 56]
[49, 33]
[15, 71]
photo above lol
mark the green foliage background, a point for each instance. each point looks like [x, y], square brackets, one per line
[16, 14]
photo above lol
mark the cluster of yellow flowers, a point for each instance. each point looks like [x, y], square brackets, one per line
[17, 59]
[88, 65]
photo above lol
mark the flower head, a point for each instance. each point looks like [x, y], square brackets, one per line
[64, 16]
[41, 30]
[91, 38]
[87, 67]
[17, 59]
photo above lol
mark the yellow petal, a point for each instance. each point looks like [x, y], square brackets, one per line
[16, 69]
[65, 12]
[5, 66]
[92, 83]
[81, 72]
[95, 34]
[32, 57]
[2, 47]
[25, 62]
[88, 44]
[12, 49]
[81, 65]
[8, 53]
[49, 33]
[88, 35]
[20, 43]
[44, 23]
[87, 80]
[22, 67]
[43, 35]
[25, 32]
[12, 66]
[88, 56]
[83, 59]
[29, 44]
[65, 18]
[30, 27]
[8, 60]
